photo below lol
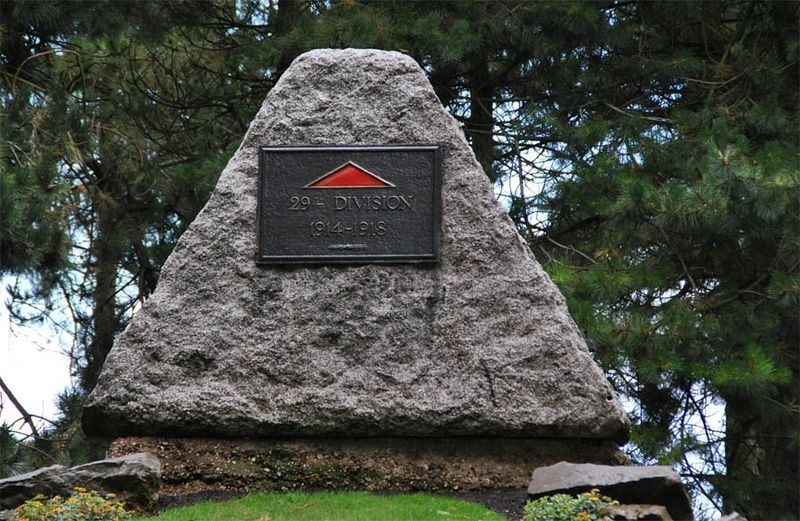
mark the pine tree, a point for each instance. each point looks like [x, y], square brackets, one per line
[670, 219]
[115, 137]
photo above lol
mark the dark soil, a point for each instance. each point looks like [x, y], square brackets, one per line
[508, 502]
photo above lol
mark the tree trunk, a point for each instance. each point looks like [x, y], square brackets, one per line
[761, 460]
[107, 249]
[285, 18]
[104, 296]
[480, 125]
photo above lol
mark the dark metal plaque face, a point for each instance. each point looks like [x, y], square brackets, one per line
[349, 204]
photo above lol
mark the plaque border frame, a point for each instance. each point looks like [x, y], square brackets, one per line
[261, 225]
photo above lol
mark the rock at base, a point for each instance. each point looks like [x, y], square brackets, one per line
[135, 480]
[399, 464]
[17, 489]
[639, 513]
[656, 485]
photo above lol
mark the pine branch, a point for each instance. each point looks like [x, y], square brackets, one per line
[573, 227]
[25, 416]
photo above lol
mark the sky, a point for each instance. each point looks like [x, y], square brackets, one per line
[32, 365]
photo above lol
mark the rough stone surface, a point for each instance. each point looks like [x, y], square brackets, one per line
[15, 490]
[480, 345]
[135, 479]
[656, 485]
[639, 513]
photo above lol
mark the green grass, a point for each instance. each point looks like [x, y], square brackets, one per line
[331, 506]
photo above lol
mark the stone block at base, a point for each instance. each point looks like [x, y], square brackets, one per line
[639, 513]
[656, 485]
[134, 478]
[402, 464]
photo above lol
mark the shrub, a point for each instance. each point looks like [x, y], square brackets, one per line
[82, 505]
[589, 506]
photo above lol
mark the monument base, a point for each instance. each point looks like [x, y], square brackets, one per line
[398, 464]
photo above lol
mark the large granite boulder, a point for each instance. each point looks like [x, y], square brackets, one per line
[655, 485]
[480, 344]
[134, 479]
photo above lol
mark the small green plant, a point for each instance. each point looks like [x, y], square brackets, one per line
[589, 506]
[82, 505]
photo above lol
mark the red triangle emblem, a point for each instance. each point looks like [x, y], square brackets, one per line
[349, 175]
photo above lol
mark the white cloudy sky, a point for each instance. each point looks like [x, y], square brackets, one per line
[32, 365]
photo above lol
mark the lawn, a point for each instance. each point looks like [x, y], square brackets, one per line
[331, 506]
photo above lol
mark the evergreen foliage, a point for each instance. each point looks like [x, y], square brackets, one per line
[647, 151]
[115, 137]
[671, 223]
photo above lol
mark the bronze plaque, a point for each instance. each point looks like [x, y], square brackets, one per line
[349, 204]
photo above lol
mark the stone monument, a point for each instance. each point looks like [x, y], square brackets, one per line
[470, 351]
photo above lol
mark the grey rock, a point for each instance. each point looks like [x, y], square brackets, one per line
[479, 345]
[638, 513]
[134, 479]
[655, 485]
[49, 481]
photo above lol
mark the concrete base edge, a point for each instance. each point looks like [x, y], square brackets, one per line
[401, 464]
